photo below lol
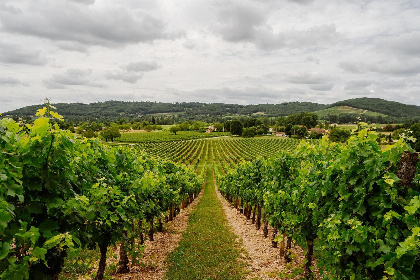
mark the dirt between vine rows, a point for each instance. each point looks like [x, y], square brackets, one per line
[153, 265]
[264, 261]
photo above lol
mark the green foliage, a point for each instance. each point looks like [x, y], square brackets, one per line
[308, 120]
[339, 135]
[299, 131]
[58, 193]
[415, 132]
[396, 135]
[345, 197]
[236, 127]
[248, 132]
[166, 136]
[111, 133]
[175, 129]
[391, 108]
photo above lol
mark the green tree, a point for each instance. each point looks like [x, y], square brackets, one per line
[89, 133]
[398, 132]
[236, 127]
[248, 132]
[175, 129]
[415, 132]
[111, 133]
[262, 129]
[299, 131]
[339, 135]
[184, 126]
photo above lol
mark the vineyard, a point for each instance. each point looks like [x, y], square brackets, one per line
[164, 136]
[354, 208]
[59, 193]
[228, 152]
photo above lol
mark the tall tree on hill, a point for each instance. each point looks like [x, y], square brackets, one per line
[236, 127]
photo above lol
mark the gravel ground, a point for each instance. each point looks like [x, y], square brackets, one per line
[153, 264]
[264, 260]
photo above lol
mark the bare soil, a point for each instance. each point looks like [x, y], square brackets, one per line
[153, 264]
[264, 260]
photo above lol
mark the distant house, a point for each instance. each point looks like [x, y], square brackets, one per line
[280, 134]
[317, 130]
[210, 129]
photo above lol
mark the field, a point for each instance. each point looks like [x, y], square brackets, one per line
[336, 110]
[103, 210]
[164, 135]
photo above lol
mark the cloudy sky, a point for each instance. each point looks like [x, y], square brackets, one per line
[230, 51]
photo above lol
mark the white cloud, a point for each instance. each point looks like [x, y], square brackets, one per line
[11, 81]
[392, 67]
[133, 71]
[307, 78]
[72, 77]
[63, 21]
[17, 54]
[123, 76]
[322, 87]
[244, 51]
[141, 66]
[248, 22]
[359, 84]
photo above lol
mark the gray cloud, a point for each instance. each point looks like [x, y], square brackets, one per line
[307, 78]
[359, 84]
[238, 21]
[16, 54]
[62, 21]
[312, 59]
[302, 2]
[86, 2]
[353, 67]
[124, 76]
[72, 77]
[244, 51]
[11, 81]
[400, 68]
[245, 95]
[322, 87]
[141, 66]
[132, 72]
[247, 22]
[313, 36]
[72, 46]
[406, 44]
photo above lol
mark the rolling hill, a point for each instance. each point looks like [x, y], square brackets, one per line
[111, 110]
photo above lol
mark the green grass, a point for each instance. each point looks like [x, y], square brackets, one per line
[161, 136]
[208, 249]
[336, 110]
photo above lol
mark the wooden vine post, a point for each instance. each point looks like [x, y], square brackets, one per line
[407, 168]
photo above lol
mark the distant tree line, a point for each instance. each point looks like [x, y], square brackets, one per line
[170, 113]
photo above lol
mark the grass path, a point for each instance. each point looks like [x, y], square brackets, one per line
[208, 249]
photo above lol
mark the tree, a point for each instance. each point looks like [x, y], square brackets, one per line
[299, 131]
[219, 126]
[236, 127]
[184, 126]
[339, 135]
[398, 132]
[110, 133]
[175, 129]
[89, 133]
[262, 129]
[415, 132]
[248, 132]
